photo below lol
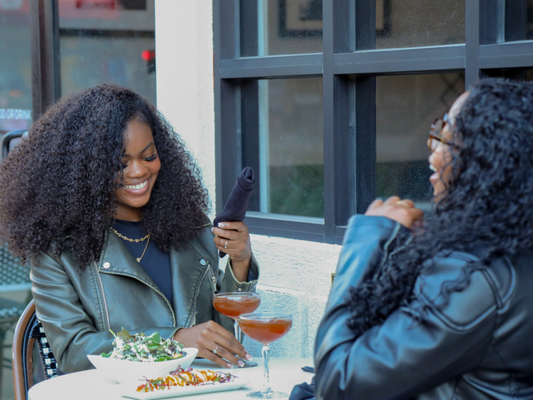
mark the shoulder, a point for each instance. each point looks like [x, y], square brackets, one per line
[462, 292]
[203, 241]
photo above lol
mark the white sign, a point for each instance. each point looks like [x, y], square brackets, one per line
[15, 113]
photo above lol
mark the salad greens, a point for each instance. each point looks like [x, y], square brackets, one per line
[142, 348]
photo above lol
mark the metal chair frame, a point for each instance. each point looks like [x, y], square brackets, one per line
[28, 332]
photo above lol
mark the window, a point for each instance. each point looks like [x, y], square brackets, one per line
[330, 101]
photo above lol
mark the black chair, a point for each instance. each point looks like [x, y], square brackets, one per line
[29, 332]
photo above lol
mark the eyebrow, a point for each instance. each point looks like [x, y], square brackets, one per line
[142, 151]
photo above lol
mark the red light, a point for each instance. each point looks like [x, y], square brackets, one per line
[148, 55]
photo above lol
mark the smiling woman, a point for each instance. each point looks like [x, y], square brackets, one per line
[140, 167]
[105, 200]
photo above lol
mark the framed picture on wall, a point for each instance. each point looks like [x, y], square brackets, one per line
[300, 18]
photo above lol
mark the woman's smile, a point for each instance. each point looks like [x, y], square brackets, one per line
[138, 188]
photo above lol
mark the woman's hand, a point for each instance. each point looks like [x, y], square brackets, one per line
[233, 239]
[402, 211]
[211, 336]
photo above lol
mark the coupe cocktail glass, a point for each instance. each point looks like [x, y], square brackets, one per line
[266, 328]
[232, 305]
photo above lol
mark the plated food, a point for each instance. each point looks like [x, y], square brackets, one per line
[142, 348]
[188, 377]
[136, 356]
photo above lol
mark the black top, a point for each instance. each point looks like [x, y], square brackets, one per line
[155, 261]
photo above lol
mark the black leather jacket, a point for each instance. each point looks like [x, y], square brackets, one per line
[77, 309]
[479, 346]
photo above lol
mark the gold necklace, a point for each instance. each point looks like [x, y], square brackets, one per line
[131, 240]
[145, 247]
[135, 241]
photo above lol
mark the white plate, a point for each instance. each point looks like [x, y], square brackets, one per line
[178, 391]
[126, 371]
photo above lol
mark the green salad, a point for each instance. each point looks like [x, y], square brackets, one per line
[142, 348]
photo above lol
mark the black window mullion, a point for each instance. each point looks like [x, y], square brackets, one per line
[46, 83]
[227, 99]
[401, 60]
[365, 142]
[329, 123]
[472, 41]
[272, 67]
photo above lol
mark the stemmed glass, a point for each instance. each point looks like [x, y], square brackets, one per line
[232, 305]
[266, 328]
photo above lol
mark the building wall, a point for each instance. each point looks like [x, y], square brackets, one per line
[295, 274]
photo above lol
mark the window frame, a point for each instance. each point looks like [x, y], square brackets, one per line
[349, 158]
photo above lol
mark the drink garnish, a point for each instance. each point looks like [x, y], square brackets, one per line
[188, 377]
[142, 348]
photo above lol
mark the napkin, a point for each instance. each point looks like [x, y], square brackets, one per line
[235, 208]
[303, 391]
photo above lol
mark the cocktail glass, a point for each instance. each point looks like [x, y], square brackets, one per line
[232, 305]
[266, 328]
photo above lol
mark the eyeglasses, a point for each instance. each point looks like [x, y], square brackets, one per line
[435, 131]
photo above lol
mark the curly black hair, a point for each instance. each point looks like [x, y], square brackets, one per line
[59, 183]
[487, 208]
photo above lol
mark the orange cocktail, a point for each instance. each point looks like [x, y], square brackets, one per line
[266, 328]
[266, 331]
[234, 304]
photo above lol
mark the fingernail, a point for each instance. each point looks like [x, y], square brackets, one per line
[248, 357]
[241, 364]
[221, 225]
[229, 365]
[212, 229]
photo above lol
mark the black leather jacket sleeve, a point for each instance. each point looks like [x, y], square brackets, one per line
[400, 358]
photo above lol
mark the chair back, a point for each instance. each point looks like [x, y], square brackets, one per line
[28, 332]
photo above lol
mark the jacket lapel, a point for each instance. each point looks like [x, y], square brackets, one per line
[118, 260]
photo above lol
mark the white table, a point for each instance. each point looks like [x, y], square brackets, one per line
[284, 374]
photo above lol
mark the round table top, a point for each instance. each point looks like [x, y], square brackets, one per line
[284, 374]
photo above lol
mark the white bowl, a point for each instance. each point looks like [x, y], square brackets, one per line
[125, 371]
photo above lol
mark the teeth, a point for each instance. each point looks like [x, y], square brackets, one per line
[136, 187]
[431, 167]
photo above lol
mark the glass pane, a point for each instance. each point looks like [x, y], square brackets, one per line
[291, 147]
[283, 27]
[519, 20]
[15, 65]
[405, 108]
[416, 23]
[107, 41]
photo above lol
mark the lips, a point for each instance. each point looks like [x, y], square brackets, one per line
[435, 176]
[138, 188]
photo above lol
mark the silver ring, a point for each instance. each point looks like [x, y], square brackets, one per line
[226, 245]
[215, 351]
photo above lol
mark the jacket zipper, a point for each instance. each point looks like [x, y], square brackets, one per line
[151, 287]
[103, 295]
[193, 310]
[212, 277]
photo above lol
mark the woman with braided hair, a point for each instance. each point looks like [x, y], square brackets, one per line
[108, 205]
[443, 309]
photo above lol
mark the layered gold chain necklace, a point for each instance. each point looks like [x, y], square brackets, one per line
[134, 241]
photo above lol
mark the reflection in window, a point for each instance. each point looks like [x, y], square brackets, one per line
[15, 65]
[405, 108]
[519, 17]
[291, 147]
[416, 23]
[110, 41]
[284, 27]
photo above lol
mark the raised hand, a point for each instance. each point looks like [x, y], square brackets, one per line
[402, 211]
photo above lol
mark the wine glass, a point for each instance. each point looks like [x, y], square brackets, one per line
[266, 328]
[232, 305]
